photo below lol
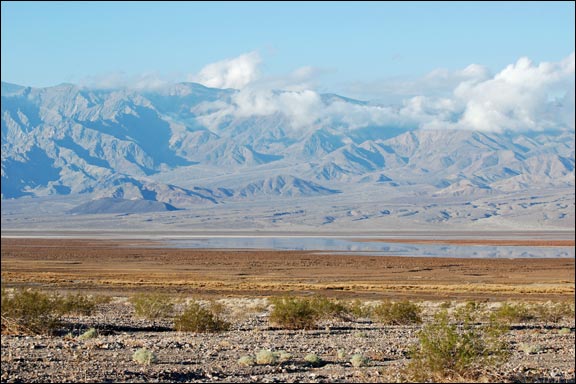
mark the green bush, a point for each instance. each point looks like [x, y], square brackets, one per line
[30, 312]
[456, 351]
[358, 360]
[358, 309]
[471, 311]
[80, 304]
[196, 318]
[152, 306]
[293, 313]
[513, 313]
[327, 308]
[144, 357]
[246, 361]
[555, 312]
[283, 356]
[530, 349]
[89, 334]
[403, 312]
[266, 357]
[304, 313]
[313, 359]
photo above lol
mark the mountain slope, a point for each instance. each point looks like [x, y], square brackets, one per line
[190, 146]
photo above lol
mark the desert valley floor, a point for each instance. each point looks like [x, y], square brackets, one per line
[242, 280]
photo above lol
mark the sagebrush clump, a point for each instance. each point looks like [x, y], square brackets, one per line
[28, 311]
[449, 349]
[197, 318]
[313, 359]
[513, 313]
[293, 313]
[89, 334]
[266, 357]
[80, 304]
[403, 312]
[152, 306]
[144, 356]
[246, 361]
[358, 360]
[304, 313]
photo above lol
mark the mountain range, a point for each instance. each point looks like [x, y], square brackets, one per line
[220, 158]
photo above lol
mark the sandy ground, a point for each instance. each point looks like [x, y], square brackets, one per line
[240, 280]
[135, 265]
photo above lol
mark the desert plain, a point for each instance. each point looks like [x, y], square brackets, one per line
[243, 280]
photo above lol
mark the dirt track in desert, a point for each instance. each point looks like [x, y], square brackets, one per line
[120, 267]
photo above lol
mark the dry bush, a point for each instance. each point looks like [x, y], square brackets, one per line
[152, 306]
[196, 318]
[28, 311]
[293, 313]
[402, 312]
[452, 350]
[304, 313]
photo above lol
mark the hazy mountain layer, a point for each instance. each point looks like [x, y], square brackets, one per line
[193, 148]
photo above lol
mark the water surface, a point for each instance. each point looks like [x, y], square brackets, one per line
[373, 248]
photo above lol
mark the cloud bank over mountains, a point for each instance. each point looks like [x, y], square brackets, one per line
[524, 96]
[497, 148]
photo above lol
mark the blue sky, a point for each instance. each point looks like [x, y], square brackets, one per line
[347, 45]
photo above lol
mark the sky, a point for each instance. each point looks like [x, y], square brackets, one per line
[345, 44]
[490, 66]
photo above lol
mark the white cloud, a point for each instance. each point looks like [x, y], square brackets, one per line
[229, 73]
[523, 96]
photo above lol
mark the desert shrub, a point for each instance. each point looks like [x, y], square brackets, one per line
[327, 308]
[313, 359]
[89, 334]
[471, 311]
[196, 318]
[30, 312]
[293, 313]
[152, 306]
[80, 304]
[456, 351]
[402, 312]
[358, 360]
[246, 361]
[513, 313]
[554, 312]
[341, 354]
[283, 356]
[564, 331]
[530, 349]
[357, 309]
[266, 357]
[144, 357]
[304, 313]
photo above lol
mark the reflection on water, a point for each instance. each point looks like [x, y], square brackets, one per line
[373, 248]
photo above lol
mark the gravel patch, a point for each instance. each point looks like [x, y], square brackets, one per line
[540, 352]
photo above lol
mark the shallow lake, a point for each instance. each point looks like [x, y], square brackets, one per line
[351, 245]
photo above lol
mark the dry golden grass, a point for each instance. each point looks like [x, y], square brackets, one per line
[128, 267]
